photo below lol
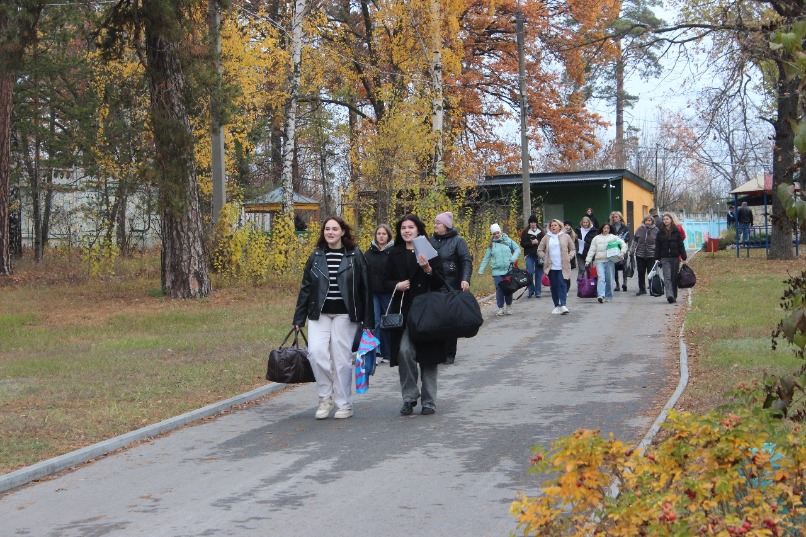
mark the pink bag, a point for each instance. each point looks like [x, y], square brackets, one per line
[545, 280]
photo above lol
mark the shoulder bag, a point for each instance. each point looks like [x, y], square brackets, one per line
[586, 284]
[290, 365]
[513, 280]
[393, 321]
[656, 285]
[686, 277]
[444, 314]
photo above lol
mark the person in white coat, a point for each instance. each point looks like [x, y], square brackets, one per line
[605, 251]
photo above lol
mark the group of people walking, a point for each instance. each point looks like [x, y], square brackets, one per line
[345, 290]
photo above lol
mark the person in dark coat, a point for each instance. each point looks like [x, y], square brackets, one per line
[408, 276]
[457, 264]
[731, 216]
[620, 229]
[334, 297]
[585, 234]
[670, 251]
[594, 221]
[530, 240]
[643, 247]
[377, 256]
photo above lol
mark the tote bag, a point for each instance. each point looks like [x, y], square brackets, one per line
[444, 314]
[586, 285]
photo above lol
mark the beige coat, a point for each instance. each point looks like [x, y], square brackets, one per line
[566, 248]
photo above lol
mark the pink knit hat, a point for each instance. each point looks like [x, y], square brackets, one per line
[446, 219]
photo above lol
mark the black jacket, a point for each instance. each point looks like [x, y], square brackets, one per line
[671, 245]
[644, 243]
[526, 242]
[457, 263]
[592, 232]
[622, 232]
[402, 266]
[745, 215]
[353, 285]
[376, 266]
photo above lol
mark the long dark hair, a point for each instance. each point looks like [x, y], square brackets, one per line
[347, 239]
[399, 242]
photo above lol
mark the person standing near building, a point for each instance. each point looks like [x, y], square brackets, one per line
[605, 250]
[620, 229]
[594, 221]
[745, 219]
[335, 298]
[457, 264]
[654, 213]
[530, 239]
[585, 234]
[377, 256]
[556, 250]
[731, 216]
[670, 251]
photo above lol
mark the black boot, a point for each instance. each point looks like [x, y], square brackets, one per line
[408, 408]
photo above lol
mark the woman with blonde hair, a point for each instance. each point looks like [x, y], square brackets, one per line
[556, 250]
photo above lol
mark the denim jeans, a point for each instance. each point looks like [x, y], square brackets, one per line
[606, 273]
[535, 270]
[380, 301]
[559, 291]
[500, 297]
[744, 229]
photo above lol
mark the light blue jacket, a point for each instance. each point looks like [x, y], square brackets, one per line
[500, 255]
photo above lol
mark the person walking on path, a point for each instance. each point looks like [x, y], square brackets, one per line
[335, 298]
[407, 276]
[605, 250]
[620, 229]
[377, 256]
[530, 240]
[643, 247]
[501, 254]
[585, 234]
[594, 221]
[655, 216]
[670, 250]
[457, 264]
[556, 250]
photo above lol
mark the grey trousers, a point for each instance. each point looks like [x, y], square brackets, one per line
[409, 369]
[671, 266]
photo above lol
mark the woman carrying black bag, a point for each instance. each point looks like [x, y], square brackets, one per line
[409, 276]
[335, 298]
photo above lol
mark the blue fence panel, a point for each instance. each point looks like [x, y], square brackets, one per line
[698, 231]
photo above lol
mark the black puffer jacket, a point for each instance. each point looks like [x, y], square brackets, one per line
[644, 241]
[376, 261]
[353, 285]
[669, 245]
[526, 241]
[457, 263]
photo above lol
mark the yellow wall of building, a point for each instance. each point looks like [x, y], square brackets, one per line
[642, 199]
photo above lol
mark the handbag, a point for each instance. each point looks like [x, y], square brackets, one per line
[629, 266]
[686, 277]
[656, 285]
[290, 365]
[513, 280]
[586, 284]
[444, 314]
[393, 321]
[545, 280]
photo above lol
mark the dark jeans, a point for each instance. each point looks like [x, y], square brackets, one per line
[558, 289]
[379, 301]
[535, 270]
[642, 266]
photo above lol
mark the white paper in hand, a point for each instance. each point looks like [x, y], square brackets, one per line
[422, 246]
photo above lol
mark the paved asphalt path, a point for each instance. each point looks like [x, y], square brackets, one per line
[271, 469]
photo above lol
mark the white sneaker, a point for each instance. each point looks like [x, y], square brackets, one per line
[507, 310]
[563, 310]
[325, 406]
[500, 312]
[557, 311]
[343, 413]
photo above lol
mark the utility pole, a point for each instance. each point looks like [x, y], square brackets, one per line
[527, 196]
[217, 134]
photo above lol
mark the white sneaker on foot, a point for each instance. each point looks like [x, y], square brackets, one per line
[500, 312]
[563, 310]
[556, 311]
[343, 413]
[507, 310]
[325, 406]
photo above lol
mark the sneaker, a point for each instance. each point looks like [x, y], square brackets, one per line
[530, 295]
[325, 406]
[343, 413]
[671, 299]
[600, 299]
[427, 411]
[556, 311]
[500, 312]
[507, 310]
[564, 310]
[641, 292]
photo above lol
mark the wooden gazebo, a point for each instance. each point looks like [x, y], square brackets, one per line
[260, 210]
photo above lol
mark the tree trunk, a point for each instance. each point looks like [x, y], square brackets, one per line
[291, 109]
[782, 164]
[6, 89]
[621, 157]
[183, 263]
[437, 97]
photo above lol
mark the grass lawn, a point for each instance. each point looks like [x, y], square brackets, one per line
[735, 307]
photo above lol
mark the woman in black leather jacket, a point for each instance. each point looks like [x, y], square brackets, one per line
[335, 298]
[457, 264]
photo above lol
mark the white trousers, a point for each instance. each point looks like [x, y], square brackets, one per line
[330, 341]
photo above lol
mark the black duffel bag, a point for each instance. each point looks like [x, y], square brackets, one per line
[290, 365]
[513, 280]
[686, 277]
[444, 314]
